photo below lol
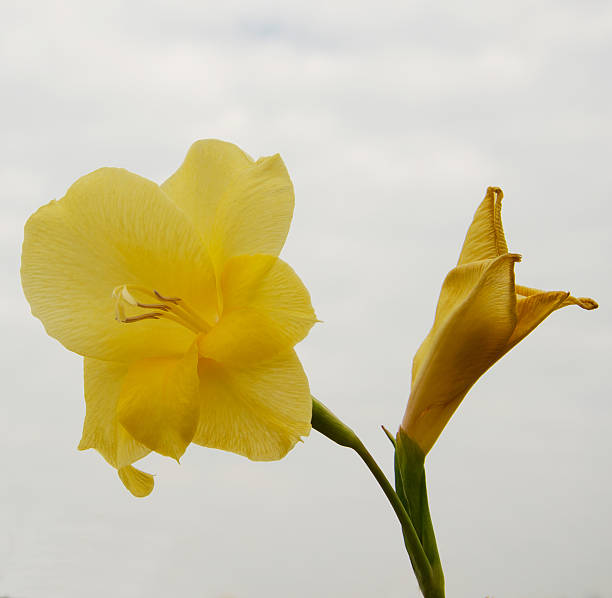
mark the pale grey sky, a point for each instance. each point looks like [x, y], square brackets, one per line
[392, 118]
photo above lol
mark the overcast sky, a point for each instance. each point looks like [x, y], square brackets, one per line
[392, 118]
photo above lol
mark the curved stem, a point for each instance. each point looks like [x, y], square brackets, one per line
[324, 421]
[417, 554]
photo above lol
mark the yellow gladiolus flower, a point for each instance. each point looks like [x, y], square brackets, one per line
[481, 315]
[176, 298]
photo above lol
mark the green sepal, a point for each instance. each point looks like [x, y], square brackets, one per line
[325, 422]
[389, 436]
[411, 487]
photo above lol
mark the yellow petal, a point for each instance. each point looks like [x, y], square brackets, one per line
[266, 310]
[532, 310]
[485, 237]
[527, 291]
[534, 306]
[101, 430]
[198, 185]
[259, 411]
[254, 213]
[584, 302]
[113, 228]
[138, 482]
[239, 206]
[159, 405]
[472, 336]
[456, 288]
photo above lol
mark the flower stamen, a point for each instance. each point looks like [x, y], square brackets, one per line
[170, 299]
[152, 316]
[154, 306]
[170, 308]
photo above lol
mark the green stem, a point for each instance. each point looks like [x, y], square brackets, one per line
[413, 544]
[324, 421]
[411, 487]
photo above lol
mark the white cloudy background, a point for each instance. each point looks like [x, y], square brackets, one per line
[392, 118]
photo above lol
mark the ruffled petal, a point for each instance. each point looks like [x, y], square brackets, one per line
[258, 411]
[238, 205]
[101, 429]
[139, 483]
[473, 336]
[485, 238]
[113, 228]
[527, 291]
[456, 288]
[159, 404]
[584, 302]
[534, 306]
[532, 310]
[266, 311]
[198, 185]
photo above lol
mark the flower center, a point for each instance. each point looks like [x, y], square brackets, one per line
[134, 304]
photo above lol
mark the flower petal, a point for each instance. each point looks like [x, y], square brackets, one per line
[138, 482]
[101, 429]
[485, 238]
[113, 228]
[533, 310]
[238, 205]
[534, 306]
[159, 405]
[472, 337]
[198, 185]
[456, 288]
[258, 411]
[266, 310]
[584, 302]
